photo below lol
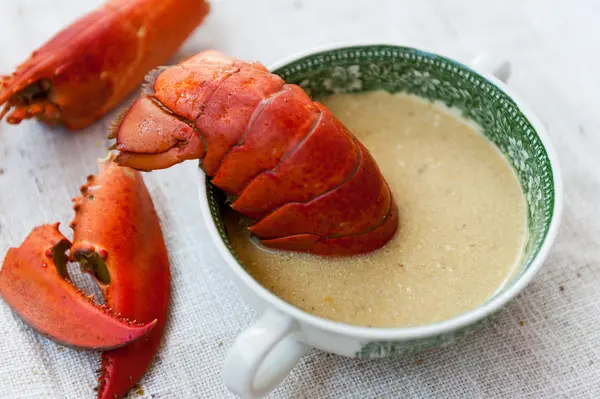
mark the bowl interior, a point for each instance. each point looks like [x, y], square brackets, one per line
[403, 69]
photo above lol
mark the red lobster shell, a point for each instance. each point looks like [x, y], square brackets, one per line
[35, 283]
[118, 240]
[288, 162]
[87, 68]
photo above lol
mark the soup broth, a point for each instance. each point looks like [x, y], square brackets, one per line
[462, 222]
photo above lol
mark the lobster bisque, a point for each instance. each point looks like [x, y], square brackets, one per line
[462, 230]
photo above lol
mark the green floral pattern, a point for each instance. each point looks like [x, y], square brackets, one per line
[377, 349]
[401, 69]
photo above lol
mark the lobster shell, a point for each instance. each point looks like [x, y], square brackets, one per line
[287, 161]
[116, 227]
[86, 69]
[117, 239]
[35, 283]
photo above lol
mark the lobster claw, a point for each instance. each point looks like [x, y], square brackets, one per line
[118, 240]
[35, 283]
[92, 65]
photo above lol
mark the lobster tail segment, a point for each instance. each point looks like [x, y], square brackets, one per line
[150, 137]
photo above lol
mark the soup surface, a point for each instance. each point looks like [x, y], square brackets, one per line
[462, 222]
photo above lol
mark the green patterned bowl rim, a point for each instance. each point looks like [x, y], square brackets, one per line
[402, 333]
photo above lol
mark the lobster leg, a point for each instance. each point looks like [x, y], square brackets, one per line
[43, 109]
[4, 110]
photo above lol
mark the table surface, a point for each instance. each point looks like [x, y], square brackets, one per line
[546, 344]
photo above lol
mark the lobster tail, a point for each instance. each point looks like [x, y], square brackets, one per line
[286, 160]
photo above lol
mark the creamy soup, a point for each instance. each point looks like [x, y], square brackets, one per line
[462, 222]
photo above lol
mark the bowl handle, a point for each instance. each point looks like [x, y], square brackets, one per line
[494, 65]
[263, 355]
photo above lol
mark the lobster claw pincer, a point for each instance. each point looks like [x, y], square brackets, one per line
[35, 283]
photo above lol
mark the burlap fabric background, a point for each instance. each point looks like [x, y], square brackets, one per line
[545, 345]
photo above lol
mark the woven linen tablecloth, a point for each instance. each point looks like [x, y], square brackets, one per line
[546, 344]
